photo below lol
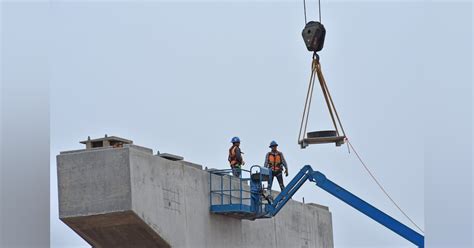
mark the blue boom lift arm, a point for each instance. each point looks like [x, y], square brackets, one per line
[234, 202]
[307, 173]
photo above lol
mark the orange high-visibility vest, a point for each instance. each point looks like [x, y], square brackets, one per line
[274, 161]
[233, 156]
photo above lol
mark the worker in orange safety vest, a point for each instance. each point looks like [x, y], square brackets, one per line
[276, 162]
[235, 157]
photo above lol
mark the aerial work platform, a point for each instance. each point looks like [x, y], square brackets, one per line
[232, 196]
[250, 198]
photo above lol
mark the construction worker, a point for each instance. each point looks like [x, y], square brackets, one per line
[235, 157]
[276, 162]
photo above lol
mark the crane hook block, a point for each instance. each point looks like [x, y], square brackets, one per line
[313, 36]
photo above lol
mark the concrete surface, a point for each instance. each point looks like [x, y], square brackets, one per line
[128, 197]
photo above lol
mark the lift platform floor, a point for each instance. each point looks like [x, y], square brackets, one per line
[239, 211]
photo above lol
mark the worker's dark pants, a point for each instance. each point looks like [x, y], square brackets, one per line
[236, 171]
[279, 176]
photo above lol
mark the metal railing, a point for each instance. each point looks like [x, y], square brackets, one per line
[221, 190]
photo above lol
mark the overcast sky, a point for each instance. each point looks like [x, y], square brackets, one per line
[184, 78]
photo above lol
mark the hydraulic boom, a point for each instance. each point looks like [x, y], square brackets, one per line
[254, 204]
[307, 173]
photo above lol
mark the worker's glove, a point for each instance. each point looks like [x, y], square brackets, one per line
[286, 172]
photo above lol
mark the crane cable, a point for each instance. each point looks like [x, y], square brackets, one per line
[316, 69]
[319, 10]
[351, 147]
[304, 7]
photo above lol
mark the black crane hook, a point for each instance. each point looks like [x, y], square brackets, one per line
[313, 36]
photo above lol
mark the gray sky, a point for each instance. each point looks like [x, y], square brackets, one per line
[186, 77]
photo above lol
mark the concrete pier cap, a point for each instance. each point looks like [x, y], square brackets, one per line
[125, 196]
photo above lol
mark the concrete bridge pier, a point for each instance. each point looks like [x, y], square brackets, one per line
[125, 196]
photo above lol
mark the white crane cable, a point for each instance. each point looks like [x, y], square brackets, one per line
[304, 7]
[380, 185]
[350, 146]
[319, 10]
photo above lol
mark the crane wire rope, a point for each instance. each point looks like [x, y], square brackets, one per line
[304, 7]
[319, 10]
[380, 185]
